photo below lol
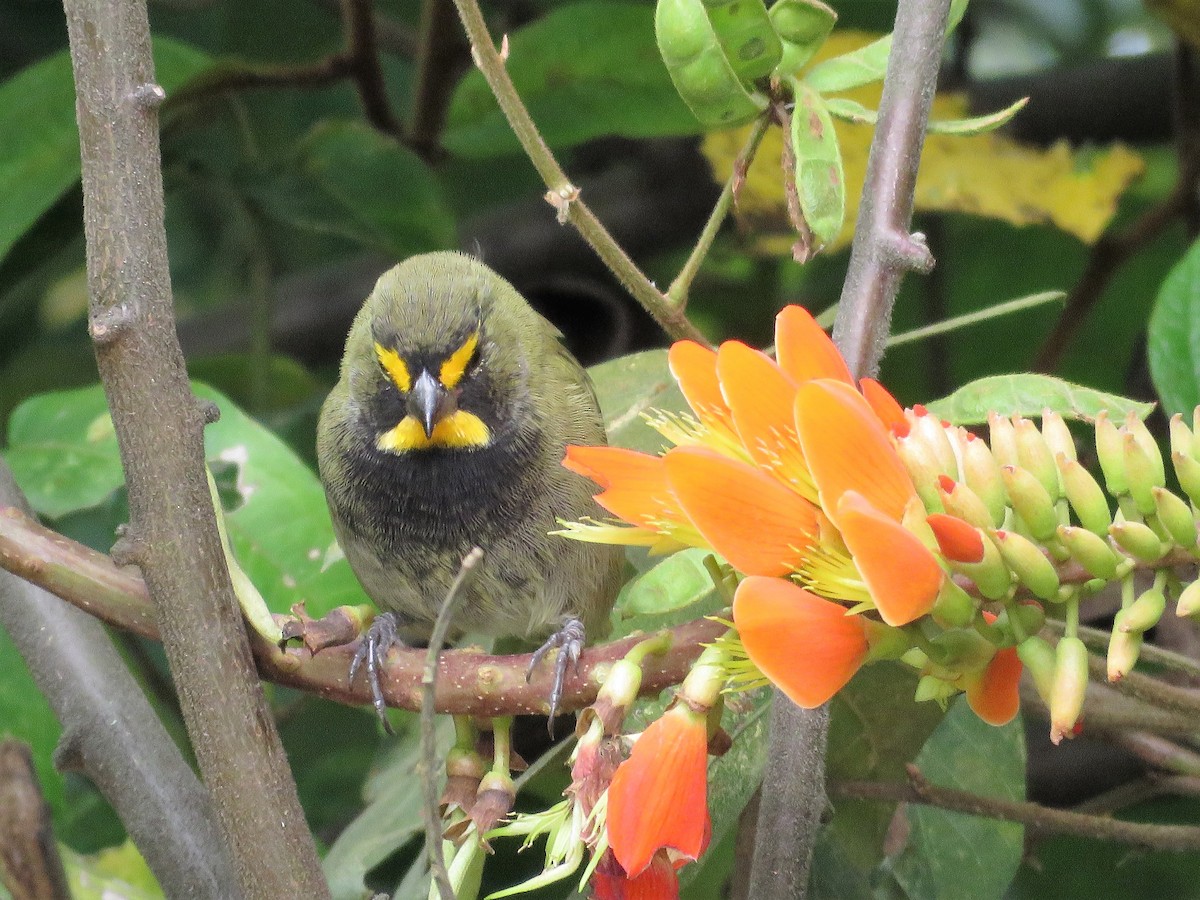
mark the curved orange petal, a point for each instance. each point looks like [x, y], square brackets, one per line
[635, 486]
[750, 518]
[902, 576]
[958, 540]
[695, 369]
[659, 796]
[994, 696]
[761, 397]
[890, 413]
[806, 645]
[847, 448]
[657, 881]
[804, 350]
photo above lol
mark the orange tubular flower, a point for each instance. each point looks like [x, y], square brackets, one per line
[806, 645]
[659, 796]
[994, 693]
[657, 881]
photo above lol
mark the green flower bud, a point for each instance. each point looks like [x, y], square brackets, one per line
[1112, 456]
[1057, 435]
[924, 469]
[961, 502]
[1135, 426]
[1187, 470]
[1070, 686]
[982, 475]
[884, 641]
[1030, 501]
[1028, 563]
[929, 430]
[1038, 657]
[1138, 540]
[1034, 456]
[1003, 439]
[1085, 496]
[954, 607]
[1089, 550]
[991, 575]
[1142, 614]
[1139, 474]
[1188, 603]
[1123, 650]
[933, 688]
[1175, 516]
[1181, 436]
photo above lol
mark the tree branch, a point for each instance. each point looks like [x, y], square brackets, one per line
[159, 425]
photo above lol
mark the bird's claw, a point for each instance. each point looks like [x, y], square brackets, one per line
[373, 650]
[569, 641]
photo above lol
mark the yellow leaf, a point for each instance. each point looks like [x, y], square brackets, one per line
[986, 175]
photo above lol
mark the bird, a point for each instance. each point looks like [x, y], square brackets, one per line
[445, 431]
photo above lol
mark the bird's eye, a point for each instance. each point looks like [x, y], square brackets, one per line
[457, 363]
[395, 367]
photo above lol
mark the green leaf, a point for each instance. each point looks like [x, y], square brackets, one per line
[803, 26]
[950, 854]
[64, 456]
[1028, 394]
[354, 182]
[629, 388]
[26, 716]
[677, 582]
[820, 181]
[584, 70]
[118, 873]
[39, 140]
[977, 124]
[1173, 343]
[851, 111]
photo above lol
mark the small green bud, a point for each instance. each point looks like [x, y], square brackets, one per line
[1123, 650]
[1175, 516]
[1070, 686]
[963, 503]
[991, 575]
[1035, 457]
[929, 430]
[982, 475]
[1142, 614]
[924, 470]
[1038, 657]
[1112, 456]
[885, 641]
[1085, 496]
[1181, 436]
[1089, 550]
[1003, 439]
[1135, 426]
[1031, 502]
[954, 607]
[1139, 474]
[1028, 563]
[1138, 540]
[1187, 470]
[1057, 435]
[1188, 603]
[933, 688]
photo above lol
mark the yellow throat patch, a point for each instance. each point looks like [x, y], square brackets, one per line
[460, 429]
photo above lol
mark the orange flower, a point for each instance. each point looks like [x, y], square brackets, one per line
[994, 693]
[657, 881]
[659, 796]
[806, 645]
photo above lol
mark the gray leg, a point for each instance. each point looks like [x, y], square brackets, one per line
[378, 640]
[569, 640]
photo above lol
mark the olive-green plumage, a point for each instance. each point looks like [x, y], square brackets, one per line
[446, 430]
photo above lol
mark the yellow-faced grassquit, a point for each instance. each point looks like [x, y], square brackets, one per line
[445, 431]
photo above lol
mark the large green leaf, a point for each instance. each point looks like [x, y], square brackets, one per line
[26, 716]
[951, 854]
[584, 70]
[1174, 339]
[64, 456]
[1028, 395]
[630, 387]
[39, 141]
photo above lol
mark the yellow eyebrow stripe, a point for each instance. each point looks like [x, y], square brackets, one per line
[455, 366]
[395, 367]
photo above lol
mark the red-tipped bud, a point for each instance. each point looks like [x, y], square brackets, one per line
[1089, 550]
[1003, 439]
[959, 541]
[1030, 501]
[1139, 474]
[493, 802]
[1189, 601]
[1085, 496]
[959, 500]
[616, 695]
[1038, 657]
[1138, 540]
[1135, 426]
[1123, 650]
[1070, 686]
[1112, 456]
[1176, 517]
[1057, 435]
[991, 575]
[1142, 614]
[1034, 456]
[930, 431]
[982, 475]
[923, 468]
[1028, 563]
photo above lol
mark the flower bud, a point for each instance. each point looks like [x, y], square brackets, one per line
[464, 769]
[616, 695]
[1123, 650]
[933, 688]
[1028, 563]
[1138, 540]
[493, 801]
[1030, 501]
[1089, 550]
[1135, 426]
[885, 641]
[958, 541]
[929, 430]
[954, 607]
[991, 575]
[1176, 517]
[1187, 470]
[923, 468]
[1057, 435]
[960, 501]
[1181, 436]
[1070, 685]
[1003, 439]
[1112, 456]
[1034, 456]
[1085, 496]
[1139, 474]
[1038, 657]
[1142, 614]
[1189, 600]
[982, 475]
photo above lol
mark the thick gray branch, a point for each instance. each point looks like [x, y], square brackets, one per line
[159, 426]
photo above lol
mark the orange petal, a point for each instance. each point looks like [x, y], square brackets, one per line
[806, 645]
[659, 796]
[657, 881]
[847, 448]
[761, 397]
[901, 575]
[750, 518]
[890, 413]
[994, 696]
[958, 540]
[695, 368]
[804, 350]
[635, 484]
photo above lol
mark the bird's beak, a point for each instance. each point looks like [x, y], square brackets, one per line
[429, 402]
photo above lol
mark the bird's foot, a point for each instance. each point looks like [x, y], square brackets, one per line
[569, 642]
[380, 637]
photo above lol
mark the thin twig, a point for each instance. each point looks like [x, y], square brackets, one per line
[1159, 752]
[30, 865]
[561, 193]
[1038, 819]
[677, 293]
[1097, 639]
[362, 57]
[442, 56]
[1170, 697]
[429, 810]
